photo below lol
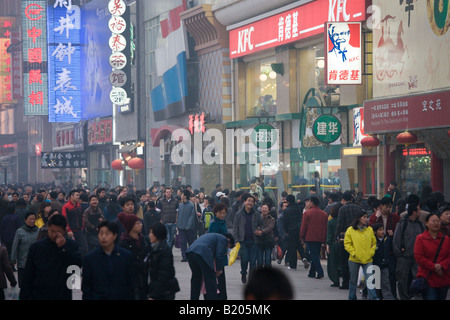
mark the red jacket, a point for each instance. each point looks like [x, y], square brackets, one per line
[314, 225]
[391, 223]
[74, 216]
[425, 250]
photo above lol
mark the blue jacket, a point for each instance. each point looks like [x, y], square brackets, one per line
[108, 277]
[218, 226]
[212, 247]
[186, 216]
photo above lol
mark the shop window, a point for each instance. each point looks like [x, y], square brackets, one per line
[307, 174]
[415, 168]
[312, 75]
[261, 90]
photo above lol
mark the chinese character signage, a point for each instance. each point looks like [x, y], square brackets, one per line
[34, 35]
[409, 112]
[7, 24]
[344, 53]
[119, 59]
[264, 136]
[197, 123]
[411, 42]
[57, 160]
[99, 131]
[64, 61]
[304, 21]
[327, 128]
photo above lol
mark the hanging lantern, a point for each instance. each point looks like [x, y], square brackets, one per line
[370, 142]
[117, 165]
[406, 138]
[136, 163]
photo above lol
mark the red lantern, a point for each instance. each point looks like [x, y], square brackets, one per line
[136, 163]
[406, 138]
[370, 142]
[117, 165]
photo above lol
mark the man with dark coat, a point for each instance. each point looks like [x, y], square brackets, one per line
[45, 275]
[108, 271]
[292, 221]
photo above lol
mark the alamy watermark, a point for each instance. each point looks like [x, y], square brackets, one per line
[212, 147]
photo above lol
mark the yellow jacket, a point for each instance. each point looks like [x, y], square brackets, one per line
[360, 245]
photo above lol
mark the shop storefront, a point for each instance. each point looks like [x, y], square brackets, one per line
[279, 62]
[409, 112]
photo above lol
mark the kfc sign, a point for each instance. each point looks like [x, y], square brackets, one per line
[293, 25]
[344, 53]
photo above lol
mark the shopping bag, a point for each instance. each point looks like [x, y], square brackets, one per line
[233, 254]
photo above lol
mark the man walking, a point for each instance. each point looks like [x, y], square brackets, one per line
[246, 222]
[314, 232]
[75, 224]
[186, 222]
[168, 207]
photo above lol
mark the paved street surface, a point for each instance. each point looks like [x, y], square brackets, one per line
[305, 288]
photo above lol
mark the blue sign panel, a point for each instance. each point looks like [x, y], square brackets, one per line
[64, 62]
[95, 53]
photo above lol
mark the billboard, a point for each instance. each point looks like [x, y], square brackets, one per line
[94, 57]
[64, 62]
[305, 21]
[34, 36]
[344, 53]
[411, 43]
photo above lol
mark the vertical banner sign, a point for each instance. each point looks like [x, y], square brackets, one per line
[6, 27]
[120, 76]
[64, 61]
[34, 35]
[344, 58]
[170, 96]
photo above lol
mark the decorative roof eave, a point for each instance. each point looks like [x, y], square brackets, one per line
[208, 33]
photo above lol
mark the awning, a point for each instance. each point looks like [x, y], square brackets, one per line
[159, 133]
[128, 149]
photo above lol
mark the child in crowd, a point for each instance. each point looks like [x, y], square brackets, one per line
[380, 259]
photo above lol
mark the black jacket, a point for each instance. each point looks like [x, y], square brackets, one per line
[163, 283]
[45, 274]
[292, 219]
[139, 250]
[108, 277]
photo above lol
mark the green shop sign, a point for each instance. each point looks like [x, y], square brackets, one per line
[264, 136]
[327, 128]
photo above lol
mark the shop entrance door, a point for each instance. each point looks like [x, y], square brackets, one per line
[370, 176]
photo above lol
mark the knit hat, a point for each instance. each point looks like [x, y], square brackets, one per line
[128, 220]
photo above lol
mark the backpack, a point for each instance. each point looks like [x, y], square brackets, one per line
[208, 218]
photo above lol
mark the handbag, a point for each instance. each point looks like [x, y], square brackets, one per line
[420, 284]
[234, 253]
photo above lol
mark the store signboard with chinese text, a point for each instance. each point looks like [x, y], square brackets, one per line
[411, 112]
[7, 26]
[64, 61]
[99, 131]
[327, 128]
[344, 53]
[60, 160]
[197, 123]
[34, 35]
[293, 25]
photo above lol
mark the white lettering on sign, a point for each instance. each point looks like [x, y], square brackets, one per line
[245, 41]
[336, 8]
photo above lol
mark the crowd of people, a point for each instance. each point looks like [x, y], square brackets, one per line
[111, 232]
